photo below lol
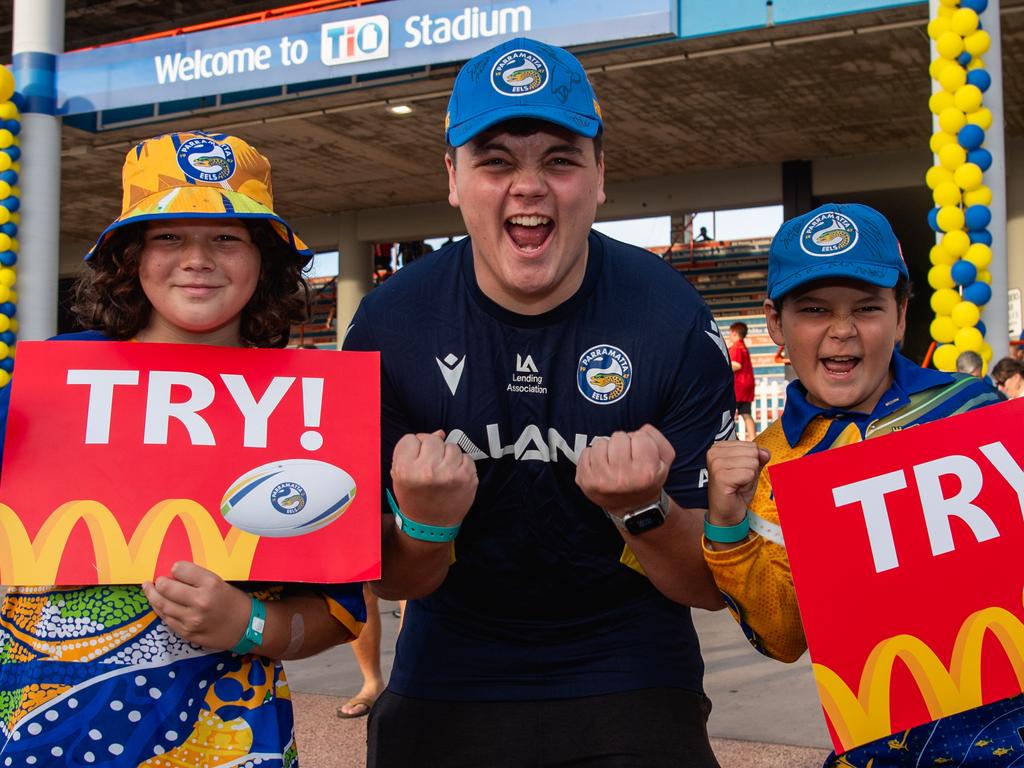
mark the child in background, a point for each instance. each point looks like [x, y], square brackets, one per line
[837, 299]
[182, 670]
[743, 377]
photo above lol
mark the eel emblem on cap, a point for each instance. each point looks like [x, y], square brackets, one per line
[519, 73]
[206, 160]
[829, 234]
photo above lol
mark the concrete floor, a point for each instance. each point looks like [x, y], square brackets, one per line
[766, 714]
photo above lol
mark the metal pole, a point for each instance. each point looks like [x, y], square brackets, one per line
[38, 38]
[996, 312]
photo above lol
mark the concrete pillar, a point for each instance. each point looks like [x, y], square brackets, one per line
[355, 271]
[1014, 219]
[38, 38]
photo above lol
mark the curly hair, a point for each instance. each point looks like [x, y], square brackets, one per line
[109, 297]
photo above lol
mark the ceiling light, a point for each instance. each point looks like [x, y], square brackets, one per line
[400, 109]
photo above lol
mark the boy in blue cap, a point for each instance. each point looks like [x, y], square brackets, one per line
[837, 298]
[549, 395]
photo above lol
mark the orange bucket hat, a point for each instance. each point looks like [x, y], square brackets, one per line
[196, 175]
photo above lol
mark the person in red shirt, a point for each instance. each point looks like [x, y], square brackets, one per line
[743, 375]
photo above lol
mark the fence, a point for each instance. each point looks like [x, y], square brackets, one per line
[769, 400]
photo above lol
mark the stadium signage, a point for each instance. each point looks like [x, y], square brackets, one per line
[158, 446]
[336, 45]
[906, 548]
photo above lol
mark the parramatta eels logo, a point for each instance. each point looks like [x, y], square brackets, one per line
[828, 234]
[604, 374]
[519, 73]
[288, 498]
[206, 160]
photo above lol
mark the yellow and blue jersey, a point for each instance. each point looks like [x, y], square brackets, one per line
[756, 582]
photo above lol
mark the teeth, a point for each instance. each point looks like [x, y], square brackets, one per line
[529, 221]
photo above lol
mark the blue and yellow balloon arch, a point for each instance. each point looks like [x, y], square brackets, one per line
[960, 258]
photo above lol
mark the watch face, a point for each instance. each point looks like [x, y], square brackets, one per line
[644, 520]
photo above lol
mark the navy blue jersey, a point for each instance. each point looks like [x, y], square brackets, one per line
[542, 599]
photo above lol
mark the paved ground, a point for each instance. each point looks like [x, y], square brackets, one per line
[766, 714]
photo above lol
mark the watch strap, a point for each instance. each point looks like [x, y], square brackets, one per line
[253, 635]
[727, 534]
[420, 531]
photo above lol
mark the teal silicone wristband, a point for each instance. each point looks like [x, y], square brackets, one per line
[253, 635]
[727, 534]
[420, 531]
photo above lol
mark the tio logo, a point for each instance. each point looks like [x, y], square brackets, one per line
[343, 42]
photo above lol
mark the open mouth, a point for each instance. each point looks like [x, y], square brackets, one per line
[840, 365]
[530, 232]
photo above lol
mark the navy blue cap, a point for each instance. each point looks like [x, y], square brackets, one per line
[835, 240]
[521, 78]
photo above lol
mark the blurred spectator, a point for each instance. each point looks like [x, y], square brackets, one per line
[970, 362]
[1008, 376]
[703, 236]
[743, 377]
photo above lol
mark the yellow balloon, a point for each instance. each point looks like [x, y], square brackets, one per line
[979, 254]
[938, 27]
[952, 119]
[939, 276]
[984, 276]
[951, 4]
[937, 65]
[6, 84]
[975, 63]
[935, 175]
[5, 378]
[953, 77]
[943, 329]
[5, 294]
[950, 45]
[943, 301]
[952, 156]
[964, 22]
[966, 314]
[967, 98]
[939, 255]
[5, 215]
[981, 117]
[945, 358]
[5, 242]
[968, 340]
[980, 196]
[14, 325]
[940, 100]
[5, 323]
[947, 193]
[5, 161]
[12, 296]
[939, 140]
[949, 218]
[15, 246]
[956, 242]
[975, 44]
[945, 11]
[7, 277]
[10, 112]
[968, 176]
[986, 354]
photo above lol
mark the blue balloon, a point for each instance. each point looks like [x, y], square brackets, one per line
[7, 337]
[8, 308]
[977, 216]
[980, 78]
[14, 126]
[13, 152]
[933, 220]
[11, 203]
[981, 158]
[7, 364]
[971, 136]
[8, 258]
[18, 101]
[980, 325]
[964, 273]
[963, 59]
[11, 177]
[980, 236]
[10, 228]
[979, 293]
[978, 6]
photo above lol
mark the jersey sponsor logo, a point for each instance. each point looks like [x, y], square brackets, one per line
[828, 234]
[604, 374]
[527, 379]
[715, 334]
[519, 73]
[206, 160]
[451, 369]
[525, 365]
[533, 444]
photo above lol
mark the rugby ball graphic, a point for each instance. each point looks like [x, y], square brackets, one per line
[288, 498]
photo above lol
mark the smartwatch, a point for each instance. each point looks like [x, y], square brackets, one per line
[644, 519]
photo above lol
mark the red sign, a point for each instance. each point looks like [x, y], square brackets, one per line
[122, 458]
[906, 553]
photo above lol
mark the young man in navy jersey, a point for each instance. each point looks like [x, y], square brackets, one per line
[549, 395]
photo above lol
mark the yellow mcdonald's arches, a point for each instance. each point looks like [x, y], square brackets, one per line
[858, 719]
[26, 562]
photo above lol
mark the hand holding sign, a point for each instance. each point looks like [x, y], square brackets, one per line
[733, 470]
[435, 482]
[625, 471]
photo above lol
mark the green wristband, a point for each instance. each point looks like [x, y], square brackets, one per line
[727, 534]
[253, 635]
[420, 531]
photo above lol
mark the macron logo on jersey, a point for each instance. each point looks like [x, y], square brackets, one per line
[716, 336]
[451, 368]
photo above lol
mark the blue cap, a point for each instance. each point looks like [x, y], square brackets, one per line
[836, 240]
[521, 78]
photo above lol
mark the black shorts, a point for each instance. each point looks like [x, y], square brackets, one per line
[656, 728]
[743, 408]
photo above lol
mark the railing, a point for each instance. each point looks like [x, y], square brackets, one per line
[769, 400]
